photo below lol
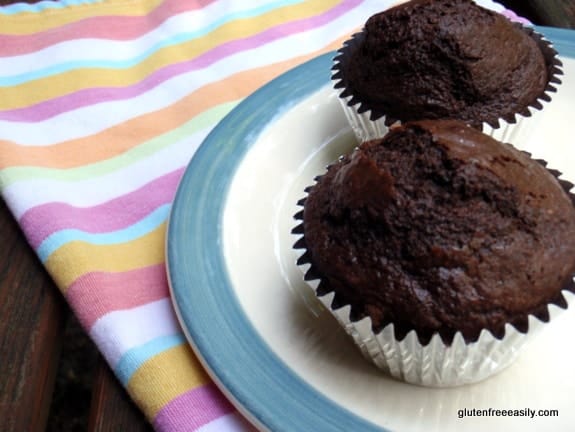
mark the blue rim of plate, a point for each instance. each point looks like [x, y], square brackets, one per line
[259, 383]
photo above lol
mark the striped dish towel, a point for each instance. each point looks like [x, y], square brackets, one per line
[102, 104]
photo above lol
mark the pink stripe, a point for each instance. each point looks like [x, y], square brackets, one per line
[39, 222]
[100, 27]
[95, 294]
[92, 96]
[193, 409]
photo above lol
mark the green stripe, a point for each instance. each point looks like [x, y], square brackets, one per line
[204, 120]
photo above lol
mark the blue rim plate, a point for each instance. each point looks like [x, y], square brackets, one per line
[252, 375]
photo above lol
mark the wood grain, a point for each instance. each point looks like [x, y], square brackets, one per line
[112, 409]
[557, 13]
[551, 13]
[32, 321]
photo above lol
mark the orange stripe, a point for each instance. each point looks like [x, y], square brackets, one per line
[121, 138]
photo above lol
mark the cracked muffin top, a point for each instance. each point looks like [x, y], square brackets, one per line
[445, 59]
[439, 228]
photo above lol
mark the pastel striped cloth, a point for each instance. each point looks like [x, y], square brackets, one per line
[102, 104]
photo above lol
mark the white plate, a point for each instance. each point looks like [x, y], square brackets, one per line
[239, 295]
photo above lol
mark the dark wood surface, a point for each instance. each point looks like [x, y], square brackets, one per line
[33, 313]
[551, 13]
[32, 317]
[111, 409]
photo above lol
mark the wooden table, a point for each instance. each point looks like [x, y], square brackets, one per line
[34, 315]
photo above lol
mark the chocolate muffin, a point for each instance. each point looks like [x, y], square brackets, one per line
[440, 229]
[445, 59]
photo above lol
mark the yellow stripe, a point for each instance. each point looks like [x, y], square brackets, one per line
[76, 258]
[25, 23]
[164, 377]
[32, 92]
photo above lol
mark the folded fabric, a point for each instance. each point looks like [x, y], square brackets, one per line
[102, 105]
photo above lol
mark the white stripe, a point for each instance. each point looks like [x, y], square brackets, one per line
[101, 116]
[489, 4]
[227, 423]
[95, 50]
[117, 332]
[181, 24]
[26, 194]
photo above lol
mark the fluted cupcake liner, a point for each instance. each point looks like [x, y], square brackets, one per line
[436, 363]
[369, 123]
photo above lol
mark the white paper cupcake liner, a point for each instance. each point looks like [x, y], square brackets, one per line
[365, 129]
[437, 364]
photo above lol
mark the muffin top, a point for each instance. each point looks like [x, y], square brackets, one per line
[434, 59]
[439, 228]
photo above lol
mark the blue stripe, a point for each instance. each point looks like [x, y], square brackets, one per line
[134, 358]
[142, 227]
[14, 80]
[17, 8]
[221, 333]
[562, 39]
